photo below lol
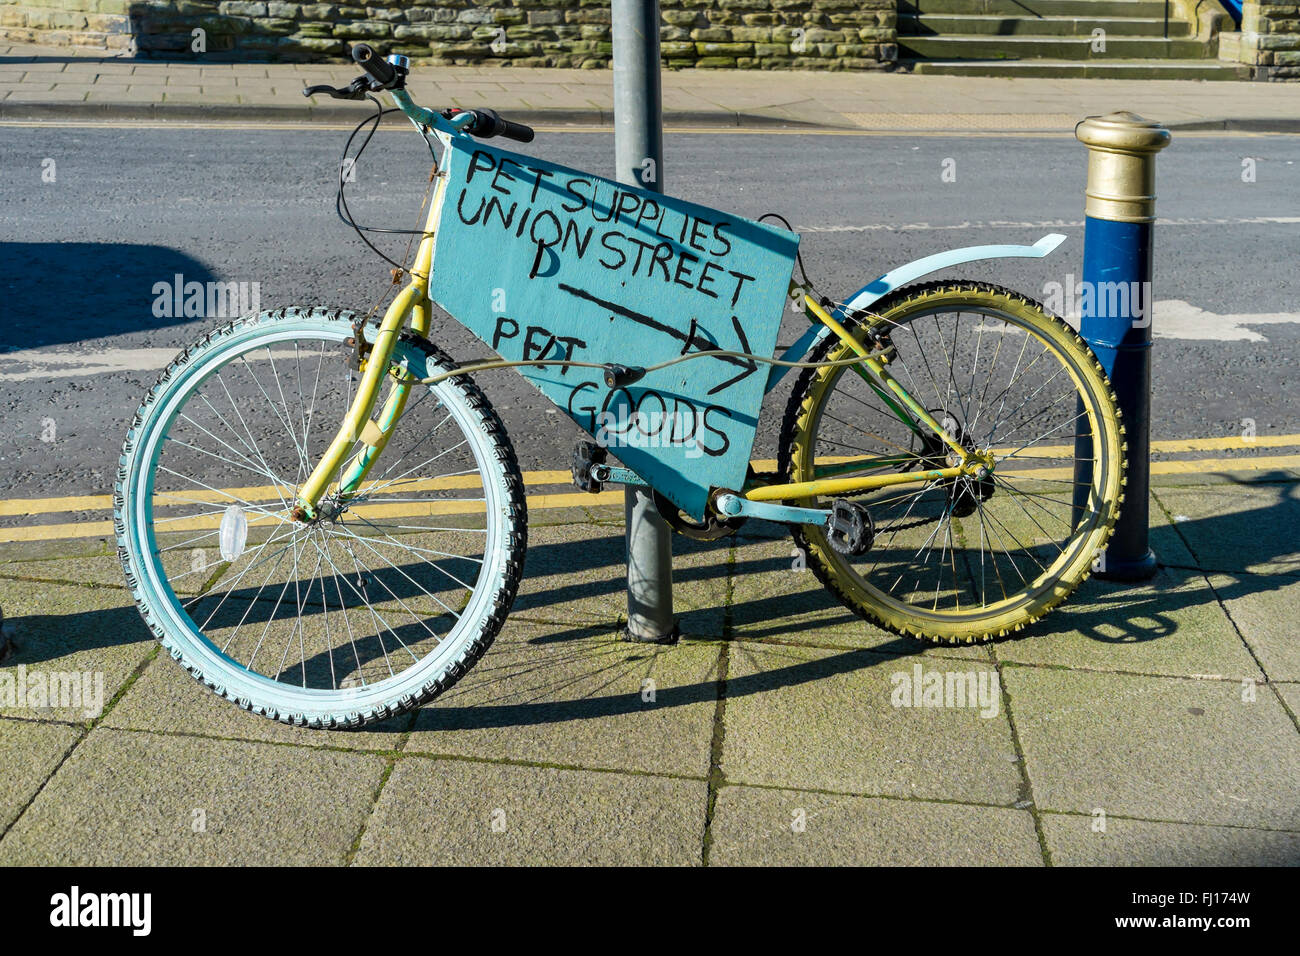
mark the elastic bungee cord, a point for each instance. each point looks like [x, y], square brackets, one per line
[568, 363]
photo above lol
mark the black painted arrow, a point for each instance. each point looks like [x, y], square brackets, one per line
[748, 366]
[688, 339]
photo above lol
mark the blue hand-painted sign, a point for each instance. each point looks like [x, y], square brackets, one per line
[541, 261]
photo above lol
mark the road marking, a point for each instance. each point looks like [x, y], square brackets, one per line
[63, 363]
[546, 501]
[91, 529]
[53, 361]
[1171, 319]
[257, 493]
[1176, 319]
[14, 507]
[1040, 224]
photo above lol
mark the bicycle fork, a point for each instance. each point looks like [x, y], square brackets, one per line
[358, 425]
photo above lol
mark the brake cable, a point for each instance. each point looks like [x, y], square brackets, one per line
[340, 198]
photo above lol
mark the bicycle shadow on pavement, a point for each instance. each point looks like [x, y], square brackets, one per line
[572, 655]
[516, 690]
[1251, 551]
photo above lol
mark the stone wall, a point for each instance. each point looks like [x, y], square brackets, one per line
[749, 34]
[1270, 39]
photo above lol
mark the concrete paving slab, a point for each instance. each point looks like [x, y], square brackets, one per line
[1225, 475]
[1263, 608]
[812, 718]
[41, 96]
[579, 698]
[1239, 528]
[29, 752]
[578, 573]
[1172, 625]
[771, 599]
[1291, 695]
[1073, 841]
[61, 631]
[1157, 748]
[130, 799]
[1165, 540]
[547, 517]
[746, 97]
[18, 551]
[753, 827]
[188, 570]
[166, 698]
[455, 812]
[102, 569]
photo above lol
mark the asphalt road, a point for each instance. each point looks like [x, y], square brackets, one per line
[129, 208]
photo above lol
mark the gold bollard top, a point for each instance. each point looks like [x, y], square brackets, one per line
[1122, 131]
[1122, 149]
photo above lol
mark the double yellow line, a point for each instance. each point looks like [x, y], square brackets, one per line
[31, 507]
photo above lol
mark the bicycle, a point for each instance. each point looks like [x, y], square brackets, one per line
[950, 459]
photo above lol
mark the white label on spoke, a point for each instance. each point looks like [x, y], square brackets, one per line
[234, 533]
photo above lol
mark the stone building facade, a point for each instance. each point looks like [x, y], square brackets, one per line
[747, 34]
[1270, 39]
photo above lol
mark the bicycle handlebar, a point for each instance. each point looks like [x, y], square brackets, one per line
[484, 123]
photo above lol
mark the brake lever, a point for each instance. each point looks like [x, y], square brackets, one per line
[355, 90]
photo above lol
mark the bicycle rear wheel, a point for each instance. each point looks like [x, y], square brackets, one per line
[381, 603]
[961, 560]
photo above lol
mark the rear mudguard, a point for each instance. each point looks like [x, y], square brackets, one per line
[897, 278]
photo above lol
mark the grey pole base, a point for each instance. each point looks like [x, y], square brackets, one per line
[1143, 569]
[668, 639]
[639, 158]
[649, 571]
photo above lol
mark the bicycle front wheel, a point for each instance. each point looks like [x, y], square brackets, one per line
[379, 604]
[964, 559]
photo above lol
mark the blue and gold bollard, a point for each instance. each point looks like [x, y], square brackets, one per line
[1120, 216]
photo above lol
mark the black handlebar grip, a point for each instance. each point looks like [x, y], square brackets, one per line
[379, 69]
[516, 131]
[487, 123]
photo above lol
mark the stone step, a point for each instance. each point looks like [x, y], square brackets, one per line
[1052, 48]
[1076, 69]
[967, 24]
[1042, 8]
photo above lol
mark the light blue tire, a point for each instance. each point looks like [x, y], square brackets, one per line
[197, 595]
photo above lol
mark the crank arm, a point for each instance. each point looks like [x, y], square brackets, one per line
[734, 506]
[847, 525]
[611, 475]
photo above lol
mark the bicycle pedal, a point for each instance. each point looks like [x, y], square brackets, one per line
[587, 454]
[849, 528]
